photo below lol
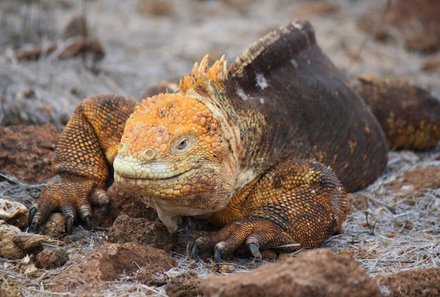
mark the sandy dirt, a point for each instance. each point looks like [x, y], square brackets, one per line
[393, 225]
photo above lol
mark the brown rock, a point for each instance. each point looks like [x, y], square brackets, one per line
[15, 244]
[312, 273]
[242, 6]
[423, 43]
[121, 203]
[30, 242]
[414, 21]
[183, 285]
[75, 27]
[166, 86]
[419, 23]
[318, 8]
[54, 226]
[372, 24]
[431, 64]
[153, 275]
[35, 53]
[420, 283]
[141, 231]
[14, 213]
[418, 179]
[52, 258]
[76, 40]
[156, 7]
[105, 264]
[8, 249]
[27, 151]
[83, 46]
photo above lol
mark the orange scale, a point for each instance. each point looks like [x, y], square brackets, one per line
[202, 121]
[186, 122]
[159, 140]
[163, 147]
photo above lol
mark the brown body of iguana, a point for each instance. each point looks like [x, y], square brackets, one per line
[249, 148]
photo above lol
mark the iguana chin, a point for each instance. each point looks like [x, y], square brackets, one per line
[266, 149]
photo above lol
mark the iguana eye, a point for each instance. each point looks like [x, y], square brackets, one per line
[182, 144]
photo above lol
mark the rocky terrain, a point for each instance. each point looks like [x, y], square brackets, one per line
[54, 53]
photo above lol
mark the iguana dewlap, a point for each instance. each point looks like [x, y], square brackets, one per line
[266, 149]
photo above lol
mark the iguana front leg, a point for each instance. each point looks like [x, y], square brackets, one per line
[86, 149]
[296, 204]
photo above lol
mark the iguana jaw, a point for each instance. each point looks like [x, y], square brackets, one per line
[128, 168]
[155, 179]
[200, 190]
[175, 181]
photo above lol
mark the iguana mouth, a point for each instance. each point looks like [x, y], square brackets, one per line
[130, 168]
[153, 178]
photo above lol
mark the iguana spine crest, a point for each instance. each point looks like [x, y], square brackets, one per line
[202, 73]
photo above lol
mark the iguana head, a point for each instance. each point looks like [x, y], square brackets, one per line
[170, 144]
[175, 152]
[173, 149]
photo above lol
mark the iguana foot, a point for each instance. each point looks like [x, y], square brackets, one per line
[70, 195]
[257, 234]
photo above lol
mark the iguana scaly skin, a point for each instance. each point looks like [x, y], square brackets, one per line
[249, 148]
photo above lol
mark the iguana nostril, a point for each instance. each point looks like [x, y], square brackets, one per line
[148, 154]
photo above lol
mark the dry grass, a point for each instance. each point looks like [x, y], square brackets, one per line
[399, 230]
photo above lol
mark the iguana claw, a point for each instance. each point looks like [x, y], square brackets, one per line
[254, 233]
[217, 255]
[69, 224]
[32, 212]
[88, 222]
[254, 249]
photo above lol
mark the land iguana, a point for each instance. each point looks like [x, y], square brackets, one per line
[267, 149]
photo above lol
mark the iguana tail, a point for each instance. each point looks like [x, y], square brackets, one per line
[409, 115]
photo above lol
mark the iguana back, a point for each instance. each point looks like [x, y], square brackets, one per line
[308, 111]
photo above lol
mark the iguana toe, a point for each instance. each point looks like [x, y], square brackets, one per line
[255, 250]
[255, 233]
[70, 196]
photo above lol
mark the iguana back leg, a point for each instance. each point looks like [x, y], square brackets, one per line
[87, 146]
[296, 204]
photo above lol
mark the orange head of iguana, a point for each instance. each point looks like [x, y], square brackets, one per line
[174, 154]
[166, 142]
